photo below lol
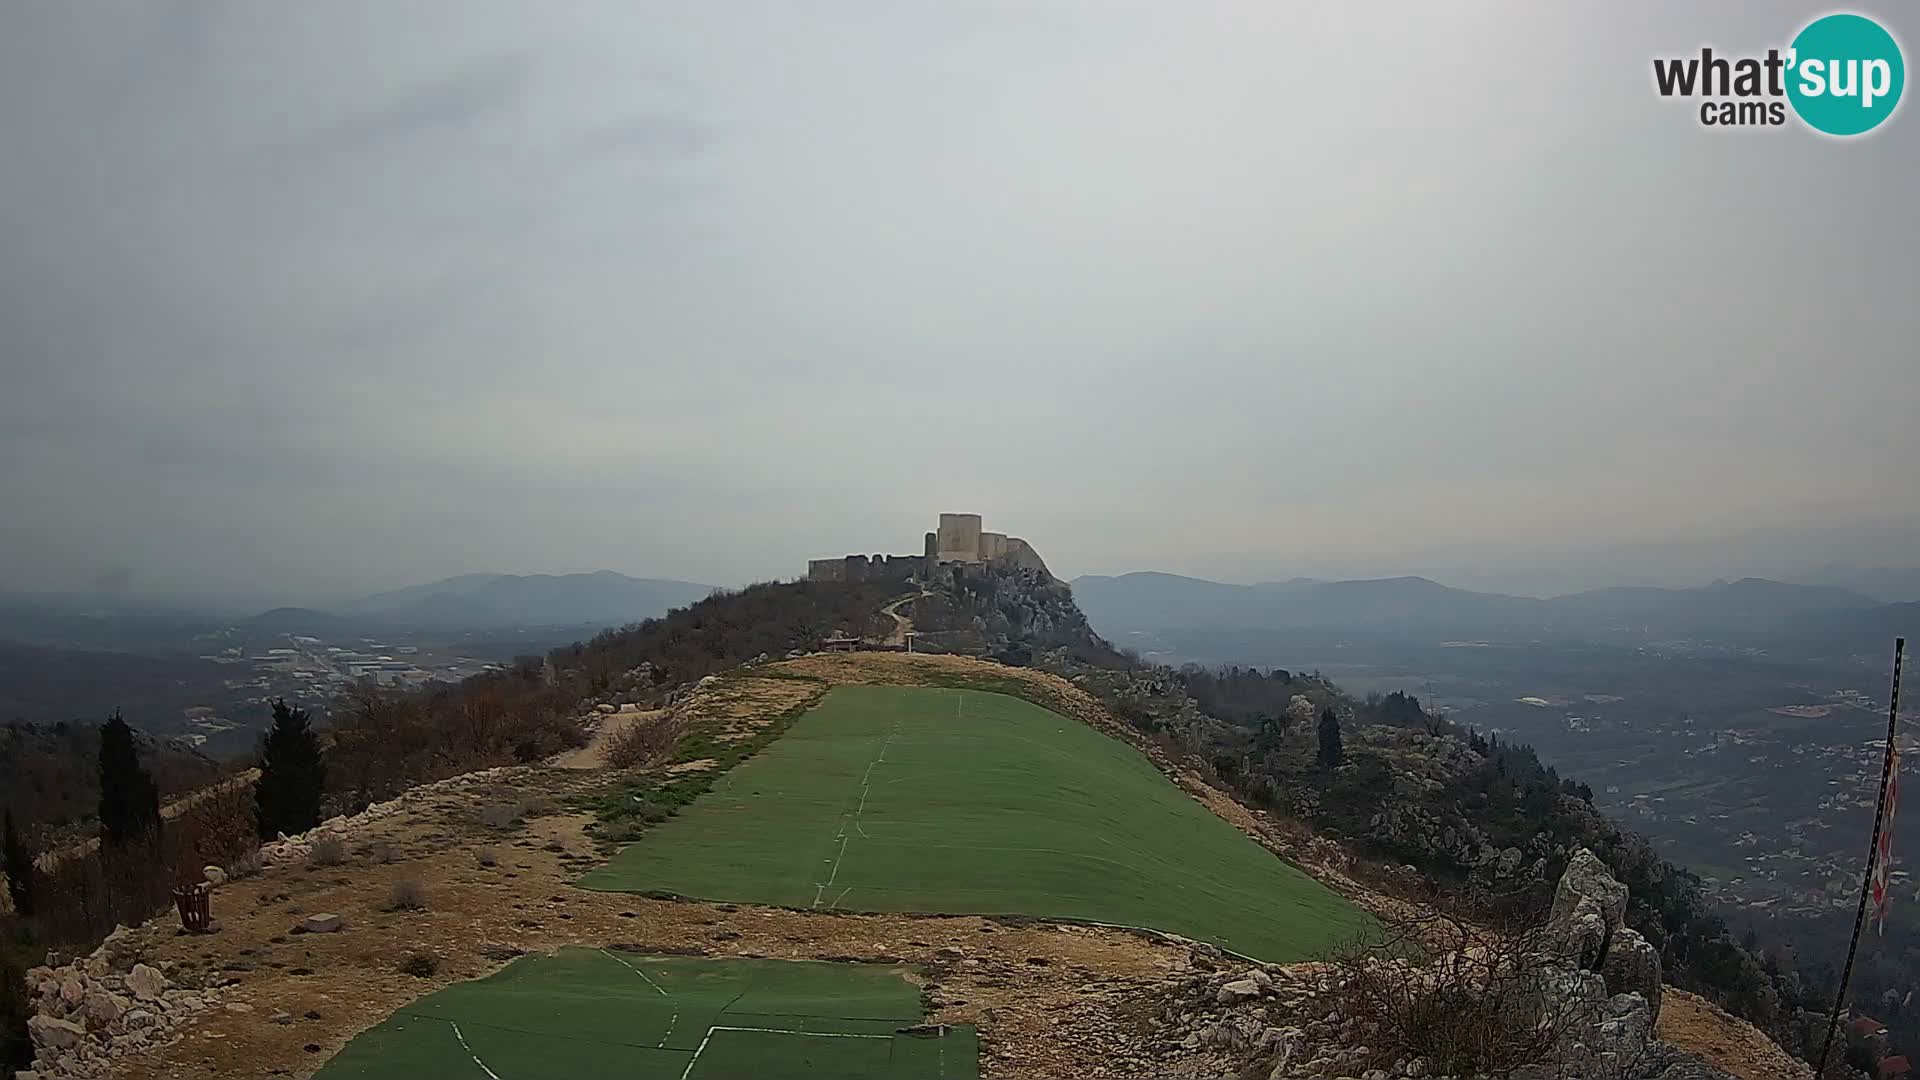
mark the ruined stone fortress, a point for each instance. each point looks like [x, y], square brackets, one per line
[957, 540]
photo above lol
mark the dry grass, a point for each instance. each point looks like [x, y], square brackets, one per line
[407, 895]
[1474, 1008]
[327, 851]
[644, 742]
[421, 965]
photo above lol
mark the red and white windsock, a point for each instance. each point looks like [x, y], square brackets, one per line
[1883, 855]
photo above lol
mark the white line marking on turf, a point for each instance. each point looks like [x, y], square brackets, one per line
[866, 785]
[837, 899]
[469, 1050]
[671, 1021]
[702, 1048]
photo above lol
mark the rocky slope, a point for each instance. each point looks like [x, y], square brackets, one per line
[494, 854]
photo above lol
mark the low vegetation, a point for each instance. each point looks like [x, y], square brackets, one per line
[420, 964]
[1473, 1008]
[327, 851]
[407, 895]
[644, 742]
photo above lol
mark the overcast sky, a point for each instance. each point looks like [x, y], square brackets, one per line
[298, 298]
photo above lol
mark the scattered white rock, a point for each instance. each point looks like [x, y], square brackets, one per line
[146, 982]
[323, 923]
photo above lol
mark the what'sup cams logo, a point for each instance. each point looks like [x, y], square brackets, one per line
[1841, 76]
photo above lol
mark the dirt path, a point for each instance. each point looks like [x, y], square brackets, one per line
[902, 626]
[594, 754]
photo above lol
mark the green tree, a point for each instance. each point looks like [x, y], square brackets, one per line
[293, 774]
[129, 799]
[18, 860]
[1332, 753]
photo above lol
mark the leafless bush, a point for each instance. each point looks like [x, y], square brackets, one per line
[327, 851]
[420, 964]
[407, 895]
[1466, 999]
[486, 857]
[244, 865]
[384, 852]
[644, 742]
[499, 815]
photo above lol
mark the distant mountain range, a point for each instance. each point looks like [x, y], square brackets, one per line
[1417, 606]
[494, 601]
[479, 601]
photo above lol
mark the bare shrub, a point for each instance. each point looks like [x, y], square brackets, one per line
[407, 895]
[216, 828]
[499, 815]
[244, 865]
[419, 964]
[1466, 999]
[537, 806]
[384, 852]
[644, 742]
[327, 851]
[486, 857]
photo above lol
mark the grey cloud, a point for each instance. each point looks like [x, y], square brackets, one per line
[338, 297]
[445, 103]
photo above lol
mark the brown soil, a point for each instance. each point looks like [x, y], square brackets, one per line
[476, 916]
[612, 725]
[1706, 1031]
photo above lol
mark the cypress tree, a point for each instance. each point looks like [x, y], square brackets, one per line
[129, 799]
[18, 859]
[1332, 753]
[292, 775]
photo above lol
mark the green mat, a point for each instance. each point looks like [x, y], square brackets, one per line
[963, 802]
[605, 1013]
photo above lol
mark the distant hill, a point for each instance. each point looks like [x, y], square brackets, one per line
[1416, 605]
[297, 620]
[486, 601]
[1748, 598]
[1152, 601]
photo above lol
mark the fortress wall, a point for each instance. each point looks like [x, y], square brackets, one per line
[993, 545]
[826, 569]
[959, 537]
[1020, 553]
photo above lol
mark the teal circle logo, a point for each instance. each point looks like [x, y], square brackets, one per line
[1845, 74]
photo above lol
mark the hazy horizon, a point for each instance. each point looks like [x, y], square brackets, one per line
[300, 303]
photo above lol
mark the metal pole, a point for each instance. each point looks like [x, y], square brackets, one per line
[1873, 854]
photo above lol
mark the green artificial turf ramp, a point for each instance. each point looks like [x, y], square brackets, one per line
[964, 802]
[614, 1014]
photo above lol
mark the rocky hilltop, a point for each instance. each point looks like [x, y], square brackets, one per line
[1523, 933]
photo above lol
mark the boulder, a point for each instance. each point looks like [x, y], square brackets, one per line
[55, 1034]
[215, 876]
[1581, 937]
[72, 990]
[1632, 966]
[103, 1007]
[1237, 991]
[120, 950]
[146, 982]
[1587, 878]
[323, 923]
